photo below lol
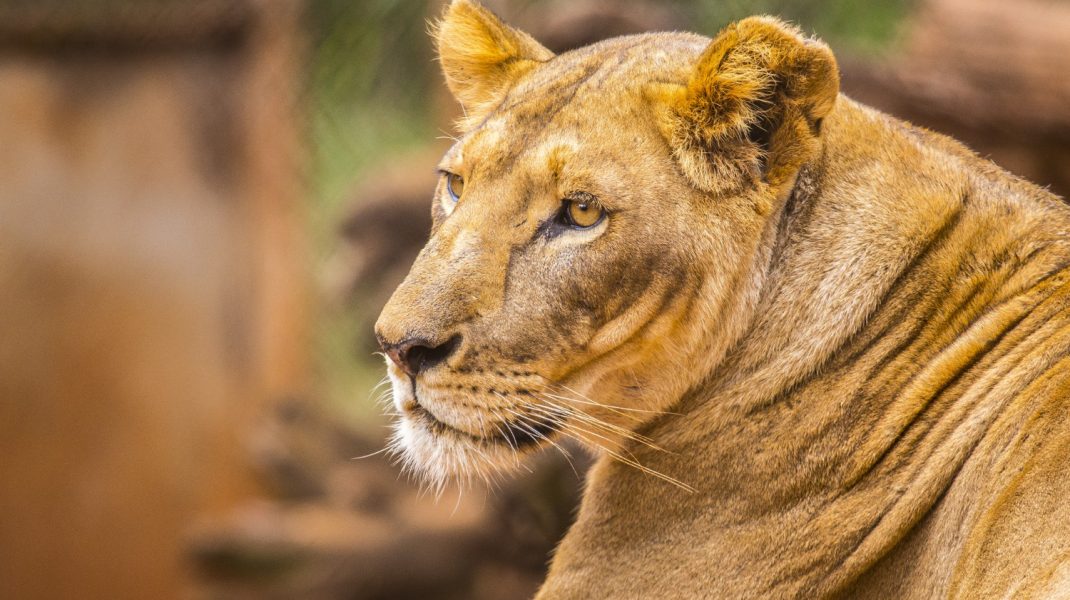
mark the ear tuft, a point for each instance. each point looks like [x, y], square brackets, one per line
[752, 108]
[481, 56]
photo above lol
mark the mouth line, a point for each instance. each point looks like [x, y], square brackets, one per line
[513, 435]
[522, 437]
[439, 427]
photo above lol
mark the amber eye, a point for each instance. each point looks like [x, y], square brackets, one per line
[582, 214]
[454, 185]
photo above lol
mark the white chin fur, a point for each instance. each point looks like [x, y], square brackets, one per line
[440, 458]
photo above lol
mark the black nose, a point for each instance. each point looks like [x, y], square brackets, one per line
[415, 354]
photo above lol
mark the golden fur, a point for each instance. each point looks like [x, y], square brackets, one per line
[819, 352]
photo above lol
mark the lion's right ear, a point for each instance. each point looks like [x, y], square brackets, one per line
[481, 56]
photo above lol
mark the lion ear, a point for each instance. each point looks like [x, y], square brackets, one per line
[481, 56]
[753, 106]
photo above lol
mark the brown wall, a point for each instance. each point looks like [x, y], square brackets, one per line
[150, 296]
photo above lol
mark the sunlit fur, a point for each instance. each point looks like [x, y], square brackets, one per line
[818, 351]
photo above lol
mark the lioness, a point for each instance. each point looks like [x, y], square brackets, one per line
[819, 351]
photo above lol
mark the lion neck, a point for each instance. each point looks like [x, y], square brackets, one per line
[812, 433]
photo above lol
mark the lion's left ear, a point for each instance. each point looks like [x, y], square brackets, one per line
[481, 56]
[753, 107]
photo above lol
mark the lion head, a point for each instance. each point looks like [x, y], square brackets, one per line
[596, 229]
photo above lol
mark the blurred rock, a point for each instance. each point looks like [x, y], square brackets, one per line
[984, 72]
[371, 535]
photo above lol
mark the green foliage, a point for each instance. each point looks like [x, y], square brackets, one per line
[370, 72]
[846, 24]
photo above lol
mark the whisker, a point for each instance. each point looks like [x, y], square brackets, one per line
[522, 421]
[447, 136]
[384, 381]
[513, 444]
[577, 428]
[376, 453]
[488, 471]
[595, 420]
[611, 409]
[655, 473]
[634, 462]
[508, 437]
[460, 492]
[610, 428]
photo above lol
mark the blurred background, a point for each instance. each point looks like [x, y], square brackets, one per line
[205, 203]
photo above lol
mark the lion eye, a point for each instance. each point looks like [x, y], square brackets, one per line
[455, 186]
[582, 214]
